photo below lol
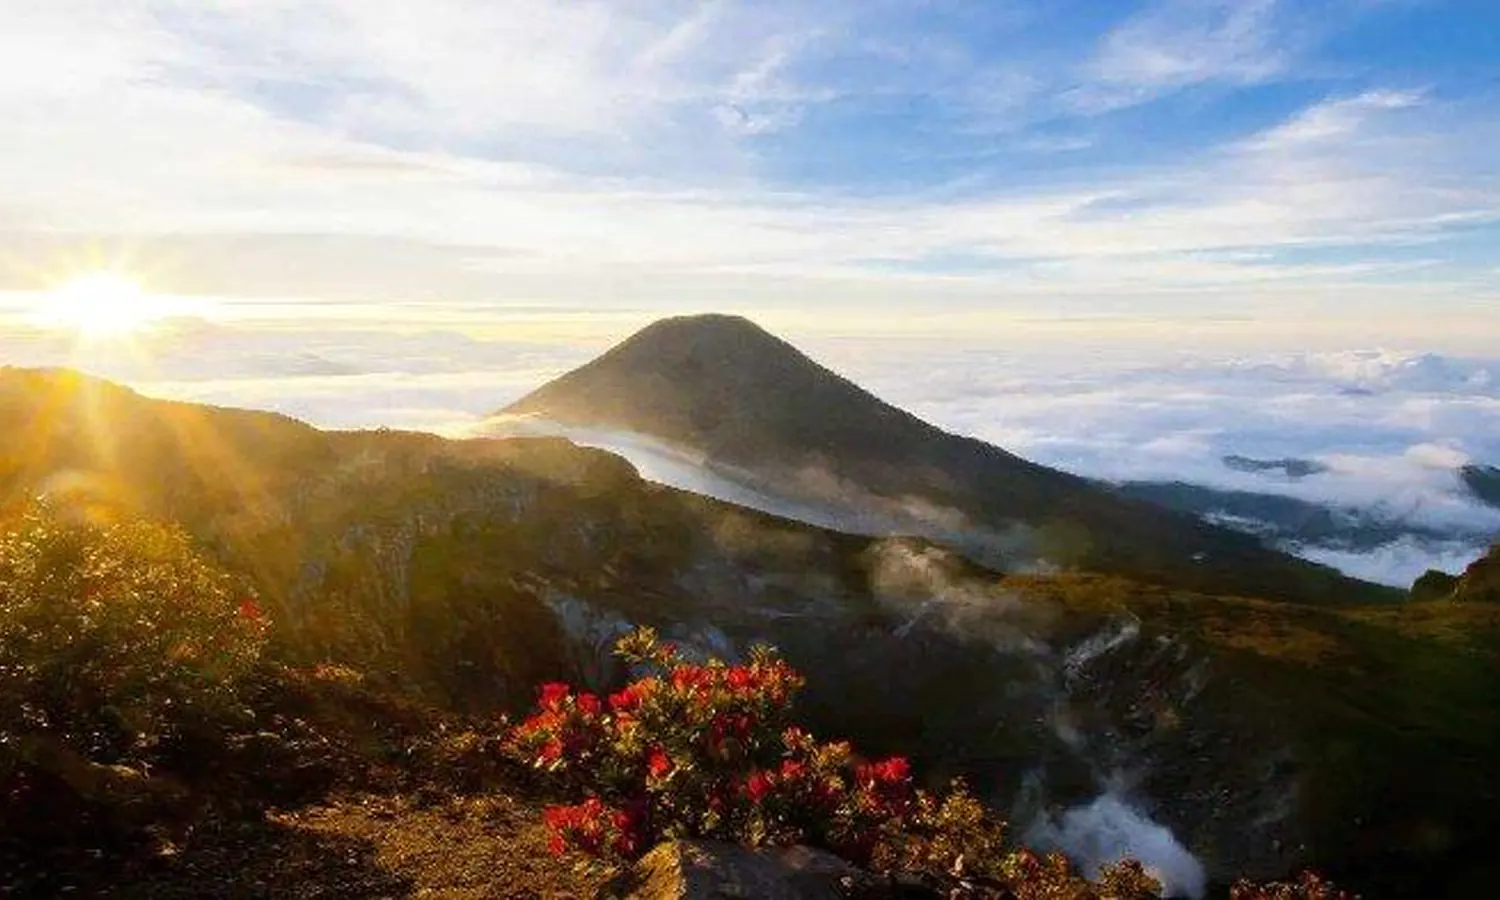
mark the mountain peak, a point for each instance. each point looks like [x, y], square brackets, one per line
[757, 408]
[703, 326]
[718, 383]
[707, 343]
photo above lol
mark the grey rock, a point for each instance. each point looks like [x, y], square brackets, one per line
[710, 870]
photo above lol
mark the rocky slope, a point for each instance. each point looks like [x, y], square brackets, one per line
[1264, 734]
[1479, 583]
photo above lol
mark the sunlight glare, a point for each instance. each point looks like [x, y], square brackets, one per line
[104, 305]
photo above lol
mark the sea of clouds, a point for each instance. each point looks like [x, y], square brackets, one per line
[1391, 427]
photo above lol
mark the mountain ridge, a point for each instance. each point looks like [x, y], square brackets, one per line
[749, 401]
[466, 572]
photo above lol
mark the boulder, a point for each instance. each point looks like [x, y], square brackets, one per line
[1434, 585]
[710, 870]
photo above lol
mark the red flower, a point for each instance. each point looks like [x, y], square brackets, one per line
[584, 826]
[758, 786]
[625, 701]
[553, 693]
[885, 786]
[540, 723]
[690, 678]
[740, 679]
[659, 764]
[589, 705]
[793, 771]
[895, 770]
[550, 752]
[623, 820]
[251, 610]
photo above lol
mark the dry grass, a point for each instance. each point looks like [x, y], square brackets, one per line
[461, 848]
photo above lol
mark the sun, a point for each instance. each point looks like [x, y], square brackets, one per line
[103, 305]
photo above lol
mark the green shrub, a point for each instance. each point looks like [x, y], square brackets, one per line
[111, 633]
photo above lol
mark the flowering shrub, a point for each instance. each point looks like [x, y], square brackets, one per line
[1307, 887]
[107, 633]
[702, 751]
[708, 751]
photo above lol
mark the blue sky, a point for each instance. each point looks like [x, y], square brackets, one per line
[1266, 163]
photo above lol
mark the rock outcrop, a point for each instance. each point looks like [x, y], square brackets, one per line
[710, 870]
[1480, 582]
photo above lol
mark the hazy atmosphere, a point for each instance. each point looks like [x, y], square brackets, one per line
[1392, 427]
[1089, 410]
[1122, 239]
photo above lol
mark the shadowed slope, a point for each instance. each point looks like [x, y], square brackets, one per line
[755, 405]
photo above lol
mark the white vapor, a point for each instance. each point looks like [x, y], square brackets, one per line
[1391, 427]
[1107, 830]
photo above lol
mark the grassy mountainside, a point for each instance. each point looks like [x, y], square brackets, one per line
[1395, 713]
[748, 400]
[389, 549]
[460, 574]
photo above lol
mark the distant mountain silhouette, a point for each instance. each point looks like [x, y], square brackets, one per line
[1288, 466]
[756, 406]
[1483, 482]
[1284, 520]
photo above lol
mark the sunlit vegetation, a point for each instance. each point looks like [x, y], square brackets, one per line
[121, 647]
[111, 636]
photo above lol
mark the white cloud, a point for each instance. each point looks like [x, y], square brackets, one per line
[1392, 427]
[333, 375]
[1334, 120]
[1399, 563]
[1181, 43]
[360, 149]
